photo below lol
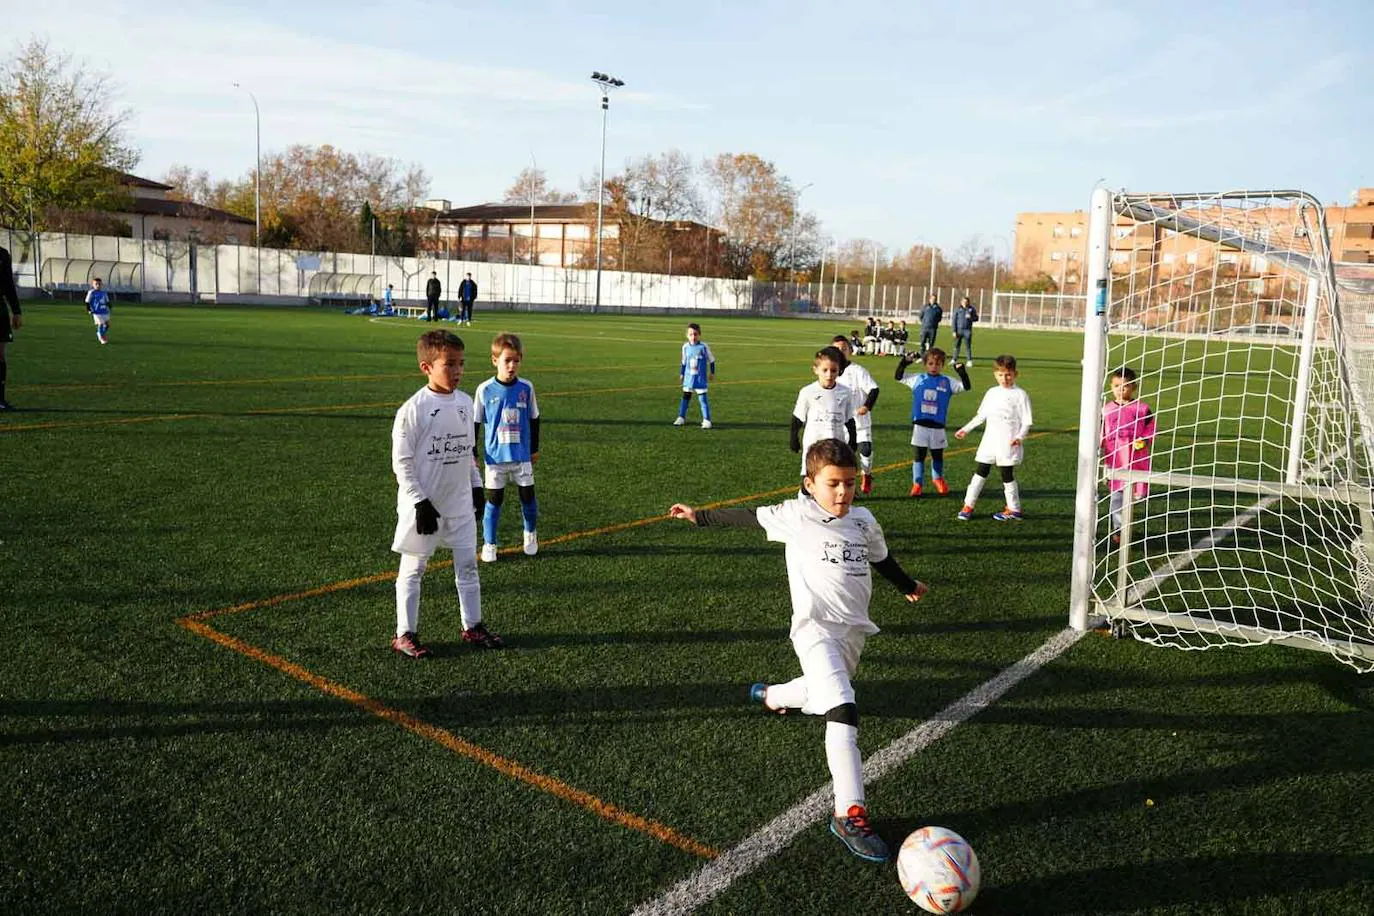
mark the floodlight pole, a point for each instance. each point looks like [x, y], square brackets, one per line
[533, 237]
[607, 83]
[257, 183]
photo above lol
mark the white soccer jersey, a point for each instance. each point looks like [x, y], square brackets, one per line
[824, 411]
[1007, 412]
[861, 380]
[432, 446]
[828, 560]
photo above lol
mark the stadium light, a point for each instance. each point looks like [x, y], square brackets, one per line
[607, 83]
[257, 181]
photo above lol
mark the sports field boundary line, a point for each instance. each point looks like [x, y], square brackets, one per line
[506, 766]
[714, 878]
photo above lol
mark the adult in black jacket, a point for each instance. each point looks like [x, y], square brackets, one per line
[9, 302]
[467, 295]
[433, 289]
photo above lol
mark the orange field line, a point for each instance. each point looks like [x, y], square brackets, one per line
[514, 769]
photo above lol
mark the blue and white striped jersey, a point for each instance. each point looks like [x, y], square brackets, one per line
[697, 365]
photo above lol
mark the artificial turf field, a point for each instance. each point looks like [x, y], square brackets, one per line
[199, 711]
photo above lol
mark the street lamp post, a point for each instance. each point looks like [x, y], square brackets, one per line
[792, 245]
[607, 83]
[257, 182]
[534, 241]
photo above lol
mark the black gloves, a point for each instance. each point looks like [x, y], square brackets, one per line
[426, 517]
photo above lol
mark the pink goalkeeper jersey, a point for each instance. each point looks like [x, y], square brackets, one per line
[1122, 426]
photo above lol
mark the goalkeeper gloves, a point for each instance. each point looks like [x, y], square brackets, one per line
[426, 517]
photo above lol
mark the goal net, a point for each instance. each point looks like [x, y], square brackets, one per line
[1236, 511]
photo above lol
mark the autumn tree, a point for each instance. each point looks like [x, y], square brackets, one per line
[755, 204]
[532, 186]
[62, 141]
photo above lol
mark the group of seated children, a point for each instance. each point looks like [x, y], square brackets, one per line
[880, 339]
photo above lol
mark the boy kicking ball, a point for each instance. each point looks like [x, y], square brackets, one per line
[831, 548]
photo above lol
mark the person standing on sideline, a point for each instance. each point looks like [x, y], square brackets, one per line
[433, 289]
[961, 322]
[467, 295]
[9, 303]
[930, 316]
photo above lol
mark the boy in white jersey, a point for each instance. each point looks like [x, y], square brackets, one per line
[98, 304]
[1007, 411]
[861, 380]
[438, 489]
[698, 370]
[832, 547]
[510, 446]
[825, 409]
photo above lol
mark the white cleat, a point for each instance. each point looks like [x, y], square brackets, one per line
[680, 421]
[705, 424]
[531, 543]
[488, 553]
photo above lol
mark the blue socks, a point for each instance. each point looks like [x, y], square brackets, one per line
[529, 514]
[705, 407]
[491, 516]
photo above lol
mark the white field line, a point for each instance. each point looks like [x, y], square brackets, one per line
[715, 877]
[1139, 591]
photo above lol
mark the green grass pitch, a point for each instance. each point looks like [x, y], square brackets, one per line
[237, 460]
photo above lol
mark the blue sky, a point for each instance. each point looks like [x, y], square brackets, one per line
[910, 120]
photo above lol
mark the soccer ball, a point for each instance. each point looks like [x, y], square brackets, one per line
[938, 870]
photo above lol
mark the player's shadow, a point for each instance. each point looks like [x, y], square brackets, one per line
[33, 722]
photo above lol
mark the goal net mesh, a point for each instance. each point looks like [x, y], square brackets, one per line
[1243, 516]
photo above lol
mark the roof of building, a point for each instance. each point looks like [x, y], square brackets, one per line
[514, 212]
[145, 206]
[134, 181]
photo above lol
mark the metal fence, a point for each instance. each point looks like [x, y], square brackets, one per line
[178, 270]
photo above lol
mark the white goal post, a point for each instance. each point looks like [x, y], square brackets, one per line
[1238, 510]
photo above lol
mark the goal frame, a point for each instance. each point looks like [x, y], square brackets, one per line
[1319, 279]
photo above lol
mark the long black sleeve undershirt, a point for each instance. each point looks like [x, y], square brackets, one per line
[851, 426]
[963, 376]
[727, 518]
[534, 436]
[902, 365]
[794, 439]
[892, 571]
[872, 398]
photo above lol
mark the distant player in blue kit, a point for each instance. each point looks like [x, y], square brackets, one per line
[98, 304]
[930, 394]
[507, 418]
[698, 370]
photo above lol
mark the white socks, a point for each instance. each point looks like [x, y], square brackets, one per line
[975, 487]
[408, 580]
[846, 766]
[1012, 491]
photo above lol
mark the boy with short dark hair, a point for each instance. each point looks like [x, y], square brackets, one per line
[698, 370]
[831, 548]
[438, 489]
[825, 409]
[98, 304]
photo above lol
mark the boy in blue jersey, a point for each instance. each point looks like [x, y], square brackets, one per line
[510, 441]
[930, 394]
[698, 370]
[98, 304]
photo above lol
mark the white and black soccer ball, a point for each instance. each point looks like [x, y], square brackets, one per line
[939, 870]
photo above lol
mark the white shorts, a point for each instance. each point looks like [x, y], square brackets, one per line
[698, 391]
[863, 426]
[494, 476]
[829, 654]
[925, 437]
[100, 319]
[1002, 454]
[458, 532]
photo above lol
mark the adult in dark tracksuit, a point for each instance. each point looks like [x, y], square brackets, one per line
[930, 316]
[467, 295]
[433, 289]
[9, 302]
[962, 323]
